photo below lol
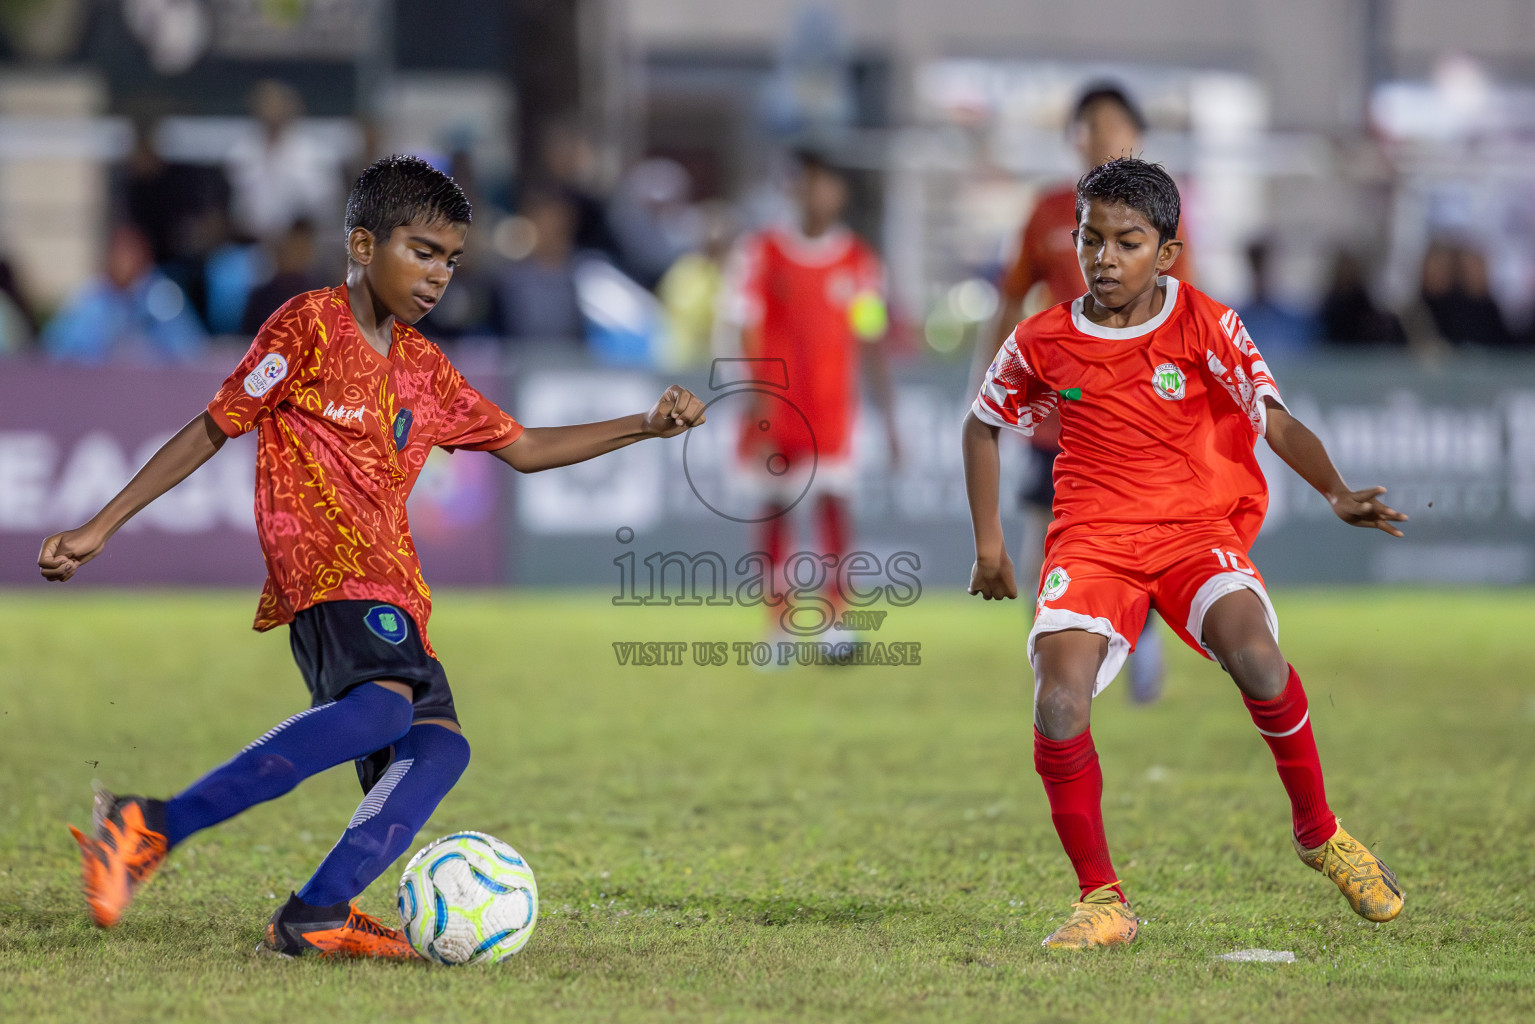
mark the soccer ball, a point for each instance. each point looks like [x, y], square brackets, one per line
[468, 898]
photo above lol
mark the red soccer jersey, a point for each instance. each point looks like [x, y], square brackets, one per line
[1158, 422]
[342, 436]
[793, 296]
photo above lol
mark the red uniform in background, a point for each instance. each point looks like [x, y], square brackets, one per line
[795, 298]
[1158, 494]
[343, 434]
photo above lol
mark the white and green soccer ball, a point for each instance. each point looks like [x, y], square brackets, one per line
[468, 898]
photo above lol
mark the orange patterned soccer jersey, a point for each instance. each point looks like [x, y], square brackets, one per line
[1158, 422]
[342, 436]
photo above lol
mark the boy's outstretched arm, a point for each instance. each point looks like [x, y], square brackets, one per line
[1302, 451]
[193, 445]
[539, 448]
[992, 574]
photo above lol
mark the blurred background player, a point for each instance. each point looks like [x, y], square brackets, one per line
[809, 295]
[1105, 125]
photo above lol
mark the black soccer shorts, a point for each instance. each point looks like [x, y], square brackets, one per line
[342, 644]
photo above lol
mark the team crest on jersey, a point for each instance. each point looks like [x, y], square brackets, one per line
[1056, 582]
[402, 421]
[266, 375]
[387, 623]
[1168, 382]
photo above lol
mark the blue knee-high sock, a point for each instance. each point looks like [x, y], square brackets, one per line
[427, 762]
[367, 718]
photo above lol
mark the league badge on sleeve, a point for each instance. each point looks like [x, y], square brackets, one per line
[1168, 382]
[388, 623]
[272, 369]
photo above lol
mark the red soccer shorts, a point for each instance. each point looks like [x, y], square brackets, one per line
[1106, 583]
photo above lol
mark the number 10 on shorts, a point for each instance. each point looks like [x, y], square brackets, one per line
[1232, 560]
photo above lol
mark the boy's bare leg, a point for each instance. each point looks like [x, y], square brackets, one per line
[1236, 628]
[1065, 672]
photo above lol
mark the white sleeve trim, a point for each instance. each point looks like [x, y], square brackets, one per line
[1261, 392]
[983, 412]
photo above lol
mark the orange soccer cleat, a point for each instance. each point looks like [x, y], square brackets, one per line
[1101, 919]
[337, 931]
[129, 845]
[1369, 886]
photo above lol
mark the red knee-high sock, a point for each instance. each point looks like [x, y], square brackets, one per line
[1074, 786]
[836, 531]
[1285, 723]
[836, 538]
[774, 535]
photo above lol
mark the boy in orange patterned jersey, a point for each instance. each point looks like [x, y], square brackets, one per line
[1162, 396]
[347, 399]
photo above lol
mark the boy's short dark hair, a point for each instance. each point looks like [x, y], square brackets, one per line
[397, 190]
[811, 158]
[1111, 92]
[1144, 187]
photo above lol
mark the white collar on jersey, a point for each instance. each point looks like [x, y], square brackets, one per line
[1093, 330]
[826, 248]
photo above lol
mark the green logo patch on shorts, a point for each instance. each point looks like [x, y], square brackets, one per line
[387, 623]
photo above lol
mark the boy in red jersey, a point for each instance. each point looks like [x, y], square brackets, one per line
[1105, 125]
[1162, 396]
[811, 296]
[348, 400]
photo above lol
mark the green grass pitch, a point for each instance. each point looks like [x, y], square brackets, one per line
[851, 844]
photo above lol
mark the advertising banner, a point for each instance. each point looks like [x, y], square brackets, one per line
[1455, 444]
[72, 436]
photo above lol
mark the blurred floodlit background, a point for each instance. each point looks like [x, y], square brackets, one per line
[1358, 179]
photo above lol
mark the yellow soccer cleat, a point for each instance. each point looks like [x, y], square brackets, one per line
[1101, 919]
[1369, 886]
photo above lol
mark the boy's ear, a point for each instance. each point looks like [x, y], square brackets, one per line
[1168, 254]
[359, 246]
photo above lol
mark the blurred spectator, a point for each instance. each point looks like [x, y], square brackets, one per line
[164, 199]
[690, 289]
[1349, 315]
[16, 319]
[284, 174]
[1275, 328]
[537, 291]
[183, 210]
[571, 164]
[132, 313]
[650, 218]
[293, 272]
[1454, 291]
[221, 270]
